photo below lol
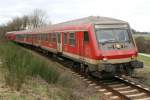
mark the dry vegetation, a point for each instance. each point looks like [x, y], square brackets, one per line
[29, 76]
[25, 75]
[144, 73]
[143, 44]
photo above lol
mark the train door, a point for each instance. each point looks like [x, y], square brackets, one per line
[59, 42]
[80, 46]
[85, 49]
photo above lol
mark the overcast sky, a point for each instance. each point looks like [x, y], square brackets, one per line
[136, 12]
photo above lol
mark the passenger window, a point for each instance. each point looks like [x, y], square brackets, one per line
[86, 36]
[72, 39]
[45, 38]
[59, 37]
[41, 35]
[54, 37]
[29, 36]
[51, 39]
[65, 38]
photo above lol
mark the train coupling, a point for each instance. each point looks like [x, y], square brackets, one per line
[137, 64]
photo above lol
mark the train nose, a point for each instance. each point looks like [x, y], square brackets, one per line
[118, 54]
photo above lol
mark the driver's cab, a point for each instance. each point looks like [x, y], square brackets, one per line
[114, 37]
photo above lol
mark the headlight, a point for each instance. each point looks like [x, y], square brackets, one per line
[133, 57]
[105, 59]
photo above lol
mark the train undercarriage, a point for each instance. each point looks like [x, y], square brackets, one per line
[108, 70]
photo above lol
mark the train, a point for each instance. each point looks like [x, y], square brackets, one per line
[95, 44]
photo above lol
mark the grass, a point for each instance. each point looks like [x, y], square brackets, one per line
[29, 76]
[147, 37]
[144, 73]
[144, 59]
[20, 64]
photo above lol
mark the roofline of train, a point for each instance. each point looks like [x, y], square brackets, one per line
[77, 24]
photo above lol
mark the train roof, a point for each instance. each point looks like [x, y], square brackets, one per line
[81, 23]
[92, 20]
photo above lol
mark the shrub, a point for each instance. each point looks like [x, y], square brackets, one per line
[41, 68]
[20, 63]
[143, 44]
[66, 80]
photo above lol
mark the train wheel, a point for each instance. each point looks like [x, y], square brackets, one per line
[76, 66]
[130, 71]
[87, 71]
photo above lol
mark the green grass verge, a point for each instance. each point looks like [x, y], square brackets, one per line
[145, 60]
[28, 72]
[19, 64]
[147, 37]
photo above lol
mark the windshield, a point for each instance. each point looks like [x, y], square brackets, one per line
[112, 35]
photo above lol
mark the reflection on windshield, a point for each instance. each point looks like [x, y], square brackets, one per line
[112, 35]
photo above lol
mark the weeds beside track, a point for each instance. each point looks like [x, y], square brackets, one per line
[120, 89]
[19, 64]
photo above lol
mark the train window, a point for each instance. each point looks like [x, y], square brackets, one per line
[34, 36]
[86, 36]
[72, 39]
[31, 36]
[59, 37]
[22, 36]
[17, 36]
[43, 36]
[27, 36]
[65, 38]
[50, 37]
[38, 36]
[54, 37]
[46, 37]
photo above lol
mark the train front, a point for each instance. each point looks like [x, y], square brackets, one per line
[117, 49]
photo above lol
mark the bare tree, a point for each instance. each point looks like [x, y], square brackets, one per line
[25, 22]
[15, 24]
[38, 18]
[3, 30]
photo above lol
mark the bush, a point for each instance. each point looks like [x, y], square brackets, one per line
[15, 64]
[143, 44]
[19, 64]
[41, 68]
[66, 80]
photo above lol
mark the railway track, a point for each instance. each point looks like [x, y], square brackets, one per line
[118, 88]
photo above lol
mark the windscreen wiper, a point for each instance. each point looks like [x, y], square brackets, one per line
[108, 41]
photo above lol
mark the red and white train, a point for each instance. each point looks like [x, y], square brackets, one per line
[96, 44]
